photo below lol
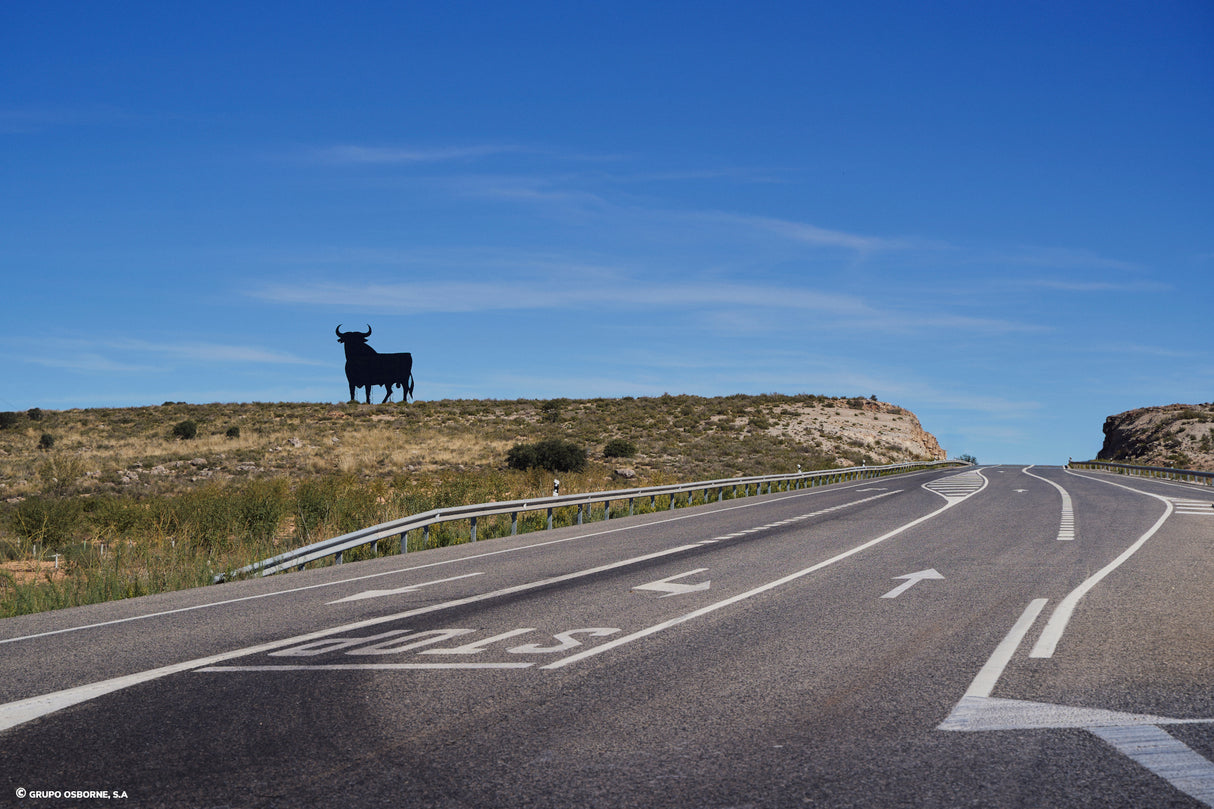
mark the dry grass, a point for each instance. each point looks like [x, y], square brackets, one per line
[131, 509]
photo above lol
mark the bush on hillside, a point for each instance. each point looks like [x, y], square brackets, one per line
[185, 430]
[619, 448]
[552, 454]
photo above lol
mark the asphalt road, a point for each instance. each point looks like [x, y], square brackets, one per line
[994, 637]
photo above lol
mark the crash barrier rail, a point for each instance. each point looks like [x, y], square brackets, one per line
[337, 546]
[1185, 475]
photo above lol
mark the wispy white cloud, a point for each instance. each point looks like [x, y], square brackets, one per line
[1064, 285]
[123, 355]
[814, 235]
[1061, 258]
[744, 306]
[33, 120]
[211, 352]
[352, 154]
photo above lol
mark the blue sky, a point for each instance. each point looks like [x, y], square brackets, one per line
[999, 215]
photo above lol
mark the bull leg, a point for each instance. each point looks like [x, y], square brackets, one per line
[369, 393]
[387, 393]
[353, 397]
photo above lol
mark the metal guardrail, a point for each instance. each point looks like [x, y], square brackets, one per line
[1185, 475]
[401, 528]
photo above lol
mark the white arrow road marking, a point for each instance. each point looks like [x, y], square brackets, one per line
[668, 586]
[911, 580]
[409, 589]
[1137, 736]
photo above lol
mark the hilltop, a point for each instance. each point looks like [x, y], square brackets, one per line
[134, 450]
[1178, 435]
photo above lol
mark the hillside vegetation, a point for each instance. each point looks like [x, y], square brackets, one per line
[1179, 436]
[111, 503]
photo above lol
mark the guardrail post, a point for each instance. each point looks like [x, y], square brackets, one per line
[550, 518]
[630, 499]
[579, 513]
[672, 497]
[606, 510]
[473, 521]
[426, 538]
[404, 541]
[513, 523]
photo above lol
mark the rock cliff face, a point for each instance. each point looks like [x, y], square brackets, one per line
[1178, 435]
[885, 432]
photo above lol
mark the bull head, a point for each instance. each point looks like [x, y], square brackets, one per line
[357, 335]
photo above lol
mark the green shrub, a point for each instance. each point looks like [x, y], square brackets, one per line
[51, 522]
[552, 454]
[619, 448]
[8, 419]
[46, 441]
[550, 411]
[185, 430]
[233, 432]
[34, 414]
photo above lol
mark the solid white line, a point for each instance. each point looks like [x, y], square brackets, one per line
[1048, 642]
[699, 512]
[21, 711]
[374, 667]
[653, 630]
[989, 674]
[399, 590]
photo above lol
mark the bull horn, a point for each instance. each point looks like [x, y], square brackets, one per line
[338, 330]
[368, 334]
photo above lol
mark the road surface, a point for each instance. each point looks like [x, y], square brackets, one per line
[993, 637]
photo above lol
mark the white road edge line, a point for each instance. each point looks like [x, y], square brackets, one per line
[699, 513]
[21, 711]
[25, 710]
[653, 630]
[1048, 642]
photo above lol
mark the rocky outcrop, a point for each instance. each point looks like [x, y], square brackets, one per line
[1180, 436]
[884, 432]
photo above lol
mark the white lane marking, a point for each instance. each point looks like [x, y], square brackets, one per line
[1166, 756]
[989, 674]
[373, 666]
[1048, 642]
[1066, 525]
[21, 711]
[25, 710]
[1196, 508]
[911, 580]
[478, 646]
[653, 630]
[567, 641]
[958, 487]
[671, 588]
[981, 714]
[699, 512]
[399, 590]
[1134, 735]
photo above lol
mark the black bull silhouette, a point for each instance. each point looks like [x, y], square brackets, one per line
[366, 367]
